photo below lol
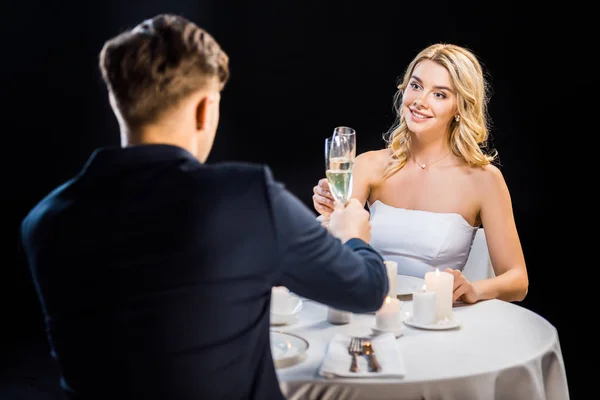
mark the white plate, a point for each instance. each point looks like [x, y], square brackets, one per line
[397, 332]
[407, 284]
[287, 349]
[453, 323]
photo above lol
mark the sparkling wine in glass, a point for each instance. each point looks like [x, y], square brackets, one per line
[340, 150]
[339, 156]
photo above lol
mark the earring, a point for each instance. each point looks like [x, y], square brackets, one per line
[457, 118]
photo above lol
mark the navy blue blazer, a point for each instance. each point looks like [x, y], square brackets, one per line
[154, 272]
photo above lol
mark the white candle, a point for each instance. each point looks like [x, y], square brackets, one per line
[424, 307]
[388, 316]
[279, 294]
[280, 291]
[392, 272]
[279, 299]
[442, 283]
[338, 317]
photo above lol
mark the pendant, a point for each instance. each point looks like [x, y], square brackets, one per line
[422, 166]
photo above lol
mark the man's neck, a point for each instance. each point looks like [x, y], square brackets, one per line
[155, 135]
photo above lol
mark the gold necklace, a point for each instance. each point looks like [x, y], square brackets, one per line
[423, 166]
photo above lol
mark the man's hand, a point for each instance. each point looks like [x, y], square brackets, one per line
[350, 222]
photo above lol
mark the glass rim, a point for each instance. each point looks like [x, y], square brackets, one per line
[343, 130]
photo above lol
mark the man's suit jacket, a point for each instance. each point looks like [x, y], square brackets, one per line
[154, 273]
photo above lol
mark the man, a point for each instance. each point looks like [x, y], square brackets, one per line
[154, 270]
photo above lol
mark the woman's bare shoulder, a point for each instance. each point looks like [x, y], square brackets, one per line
[488, 172]
[375, 160]
[489, 178]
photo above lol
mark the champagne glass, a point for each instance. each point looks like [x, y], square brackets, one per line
[340, 150]
[339, 159]
[327, 148]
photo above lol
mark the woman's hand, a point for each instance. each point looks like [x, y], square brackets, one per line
[463, 289]
[322, 198]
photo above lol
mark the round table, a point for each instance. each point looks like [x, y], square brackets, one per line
[501, 351]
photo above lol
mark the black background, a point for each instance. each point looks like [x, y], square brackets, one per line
[298, 69]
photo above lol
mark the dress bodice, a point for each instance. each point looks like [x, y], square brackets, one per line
[420, 241]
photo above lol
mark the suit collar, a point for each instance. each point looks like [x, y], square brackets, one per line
[114, 157]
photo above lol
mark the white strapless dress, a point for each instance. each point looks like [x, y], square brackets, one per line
[420, 241]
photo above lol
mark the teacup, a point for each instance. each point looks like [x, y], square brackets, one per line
[284, 306]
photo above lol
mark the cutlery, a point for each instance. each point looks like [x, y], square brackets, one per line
[367, 350]
[355, 350]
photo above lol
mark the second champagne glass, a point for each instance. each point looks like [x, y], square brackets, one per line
[339, 158]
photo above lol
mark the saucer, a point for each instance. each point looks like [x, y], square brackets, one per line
[399, 331]
[287, 349]
[283, 319]
[453, 323]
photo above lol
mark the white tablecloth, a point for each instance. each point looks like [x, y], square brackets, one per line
[501, 351]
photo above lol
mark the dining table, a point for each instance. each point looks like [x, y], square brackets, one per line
[499, 350]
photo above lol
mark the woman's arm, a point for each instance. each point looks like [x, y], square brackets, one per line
[511, 282]
[362, 175]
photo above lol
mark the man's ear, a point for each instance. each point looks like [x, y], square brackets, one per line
[202, 113]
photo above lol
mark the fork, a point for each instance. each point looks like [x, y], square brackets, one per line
[354, 349]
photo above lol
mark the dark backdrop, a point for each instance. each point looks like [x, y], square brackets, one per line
[298, 69]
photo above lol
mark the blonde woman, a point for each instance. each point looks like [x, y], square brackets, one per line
[434, 184]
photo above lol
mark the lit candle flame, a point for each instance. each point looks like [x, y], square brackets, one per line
[424, 288]
[437, 272]
[387, 300]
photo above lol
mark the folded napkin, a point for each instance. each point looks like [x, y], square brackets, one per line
[337, 359]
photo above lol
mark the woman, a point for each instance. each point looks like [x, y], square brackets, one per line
[433, 185]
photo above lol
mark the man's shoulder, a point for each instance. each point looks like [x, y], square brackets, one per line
[233, 171]
[233, 180]
[239, 167]
[44, 208]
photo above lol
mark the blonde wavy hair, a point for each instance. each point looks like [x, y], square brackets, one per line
[469, 136]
